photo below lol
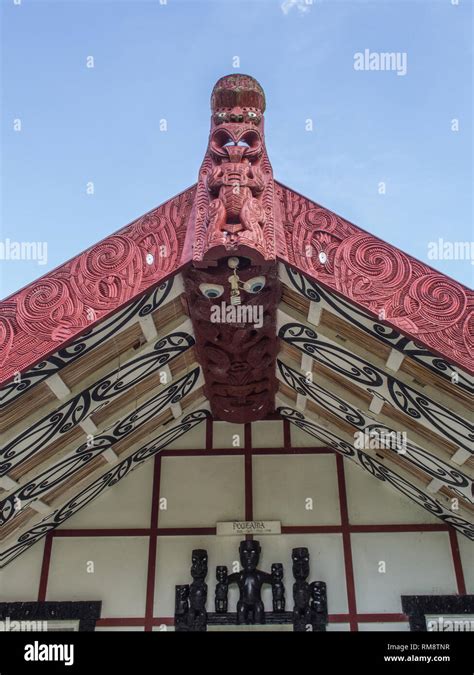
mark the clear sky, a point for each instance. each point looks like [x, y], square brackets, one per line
[155, 59]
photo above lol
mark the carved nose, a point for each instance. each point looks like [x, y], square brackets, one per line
[235, 152]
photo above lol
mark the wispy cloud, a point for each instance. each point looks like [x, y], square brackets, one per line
[302, 6]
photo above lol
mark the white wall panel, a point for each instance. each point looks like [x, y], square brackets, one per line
[122, 629]
[371, 501]
[126, 505]
[300, 439]
[275, 628]
[466, 550]
[416, 563]
[119, 577]
[267, 434]
[227, 435]
[296, 489]
[201, 491]
[195, 439]
[396, 626]
[163, 628]
[19, 581]
[336, 627]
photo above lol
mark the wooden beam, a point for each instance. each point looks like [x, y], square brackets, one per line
[148, 327]
[395, 360]
[57, 386]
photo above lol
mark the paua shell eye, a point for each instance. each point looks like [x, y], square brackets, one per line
[251, 114]
[254, 285]
[221, 115]
[211, 291]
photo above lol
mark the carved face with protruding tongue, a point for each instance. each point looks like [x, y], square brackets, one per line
[233, 142]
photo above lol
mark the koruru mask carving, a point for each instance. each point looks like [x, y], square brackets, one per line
[232, 286]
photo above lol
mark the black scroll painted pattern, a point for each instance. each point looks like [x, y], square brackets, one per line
[441, 420]
[452, 477]
[90, 339]
[110, 478]
[325, 399]
[379, 471]
[90, 400]
[312, 291]
[87, 451]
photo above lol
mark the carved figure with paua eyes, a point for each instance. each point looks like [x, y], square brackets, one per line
[235, 200]
[233, 309]
[242, 115]
[233, 313]
[236, 216]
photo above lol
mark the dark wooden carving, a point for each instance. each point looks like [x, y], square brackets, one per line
[301, 589]
[198, 591]
[250, 581]
[181, 608]
[318, 606]
[222, 588]
[309, 613]
[237, 353]
[278, 589]
[87, 612]
[416, 607]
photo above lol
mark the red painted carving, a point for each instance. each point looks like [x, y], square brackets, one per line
[238, 210]
[423, 304]
[237, 357]
[56, 308]
[234, 205]
[234, 218]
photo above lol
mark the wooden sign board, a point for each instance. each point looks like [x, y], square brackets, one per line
[249, 527]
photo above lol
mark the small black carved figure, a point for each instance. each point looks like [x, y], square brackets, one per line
[319, 606]
[250, 581]
[301, 589]
[198, 591]
[181, 608]
[278, 590]
[222, 588]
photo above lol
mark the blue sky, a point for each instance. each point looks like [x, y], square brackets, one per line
[155, 61]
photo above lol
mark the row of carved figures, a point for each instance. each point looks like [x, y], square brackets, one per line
[310, 599]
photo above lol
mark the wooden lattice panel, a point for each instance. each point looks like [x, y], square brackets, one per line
[74, 436]
[99, 357]
[75, 480]
[34, 399]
